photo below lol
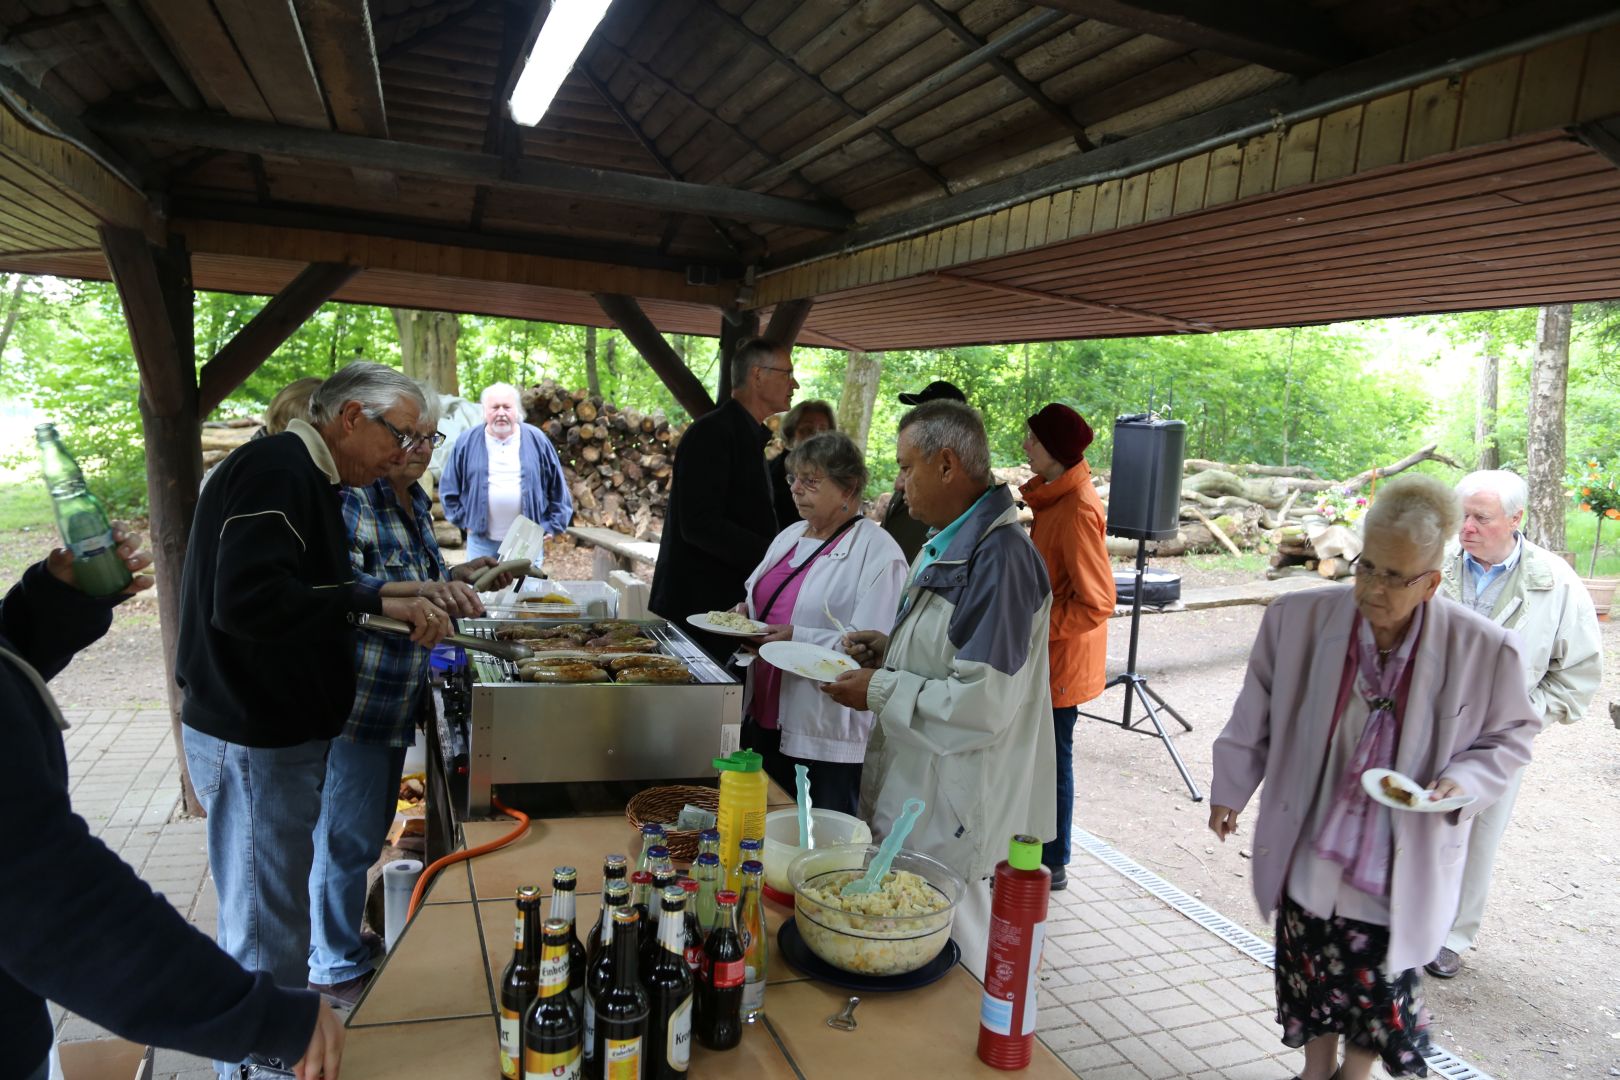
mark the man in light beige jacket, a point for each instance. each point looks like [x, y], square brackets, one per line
[1497, 572]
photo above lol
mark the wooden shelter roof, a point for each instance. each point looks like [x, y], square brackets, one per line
[930, 172]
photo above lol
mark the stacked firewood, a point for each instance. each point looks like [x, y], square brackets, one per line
[220, 437]
[617, 462]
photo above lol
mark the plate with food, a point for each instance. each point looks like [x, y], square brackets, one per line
[806, 660]
[728, 623]
[1399, 792]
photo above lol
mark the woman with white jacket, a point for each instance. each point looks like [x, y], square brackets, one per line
[833, 561]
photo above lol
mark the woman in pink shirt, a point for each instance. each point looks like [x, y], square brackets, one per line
[837, 561]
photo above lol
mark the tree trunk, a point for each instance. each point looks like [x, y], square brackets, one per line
[860, 394]
[1490, 455]
[592, 382]
[1549, 387]
[13, 309]
[427, 345]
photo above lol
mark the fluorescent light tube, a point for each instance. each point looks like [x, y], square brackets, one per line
[567, 28]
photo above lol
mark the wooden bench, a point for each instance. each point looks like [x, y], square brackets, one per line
[614, 550]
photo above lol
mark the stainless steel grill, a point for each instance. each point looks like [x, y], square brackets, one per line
[530, 733]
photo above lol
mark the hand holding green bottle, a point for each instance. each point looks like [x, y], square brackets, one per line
[60, 561]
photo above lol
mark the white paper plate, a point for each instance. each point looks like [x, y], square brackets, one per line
[1372, 784]
[806, 660]
[702, 623]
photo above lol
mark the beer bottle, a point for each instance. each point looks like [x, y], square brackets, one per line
[720, 982]
[97, 569]
[621, 1012]
[614, 869]
[756, 947]
[651, 836]
[641, 883]
[521, 980]
[692, 935]
[600, 975]
[553, 1035]
[563, 881]
[663, 878]
[707, 873]
[668, 983]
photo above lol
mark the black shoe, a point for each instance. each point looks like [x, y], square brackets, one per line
[346, 994]
[1060, 878]
[1445, 965]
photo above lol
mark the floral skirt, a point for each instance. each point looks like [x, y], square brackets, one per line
[1330, 981]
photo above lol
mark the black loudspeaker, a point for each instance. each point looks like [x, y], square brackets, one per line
[1144, 484]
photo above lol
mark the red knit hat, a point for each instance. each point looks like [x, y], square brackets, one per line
[1063, 432]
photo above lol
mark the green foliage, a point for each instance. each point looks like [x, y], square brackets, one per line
[24, 502]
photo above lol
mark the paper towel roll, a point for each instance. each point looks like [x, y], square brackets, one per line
[399, 879]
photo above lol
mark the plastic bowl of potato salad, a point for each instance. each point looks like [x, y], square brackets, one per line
[893, 931]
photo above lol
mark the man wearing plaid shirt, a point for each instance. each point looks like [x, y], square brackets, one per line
[392, 549]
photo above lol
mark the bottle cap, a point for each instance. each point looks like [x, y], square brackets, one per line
[750, 843]
[709, 834]
[725, 897]
[740, 761]
[642, 877]
[708, 858]
[689, 885]
[753, 866]
[1024, 853]
[652, 830]
[657, 851]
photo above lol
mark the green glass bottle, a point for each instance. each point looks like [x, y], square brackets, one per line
[97, 569]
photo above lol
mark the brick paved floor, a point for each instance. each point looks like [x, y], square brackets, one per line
[1131, 989]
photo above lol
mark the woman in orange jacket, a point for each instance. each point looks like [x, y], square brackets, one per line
[1069, 533]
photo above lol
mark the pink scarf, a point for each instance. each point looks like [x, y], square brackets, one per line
[1356, 834]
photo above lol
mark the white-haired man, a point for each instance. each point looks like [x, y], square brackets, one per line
[1516, 584]
[500, 469]
[960, 686]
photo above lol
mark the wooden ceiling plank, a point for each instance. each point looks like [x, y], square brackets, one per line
[271, 43]
[344, 51]
[199, 40]
[1283, 36]
[358, 151]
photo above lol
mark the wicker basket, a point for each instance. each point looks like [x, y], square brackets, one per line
[661, 805]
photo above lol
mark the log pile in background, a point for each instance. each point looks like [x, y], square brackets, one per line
[220, 437]
[617, 462]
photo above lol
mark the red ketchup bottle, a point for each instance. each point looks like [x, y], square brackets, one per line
[1017, 932]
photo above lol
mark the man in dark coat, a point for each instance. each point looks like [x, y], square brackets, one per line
[82, 929]
[721, 518]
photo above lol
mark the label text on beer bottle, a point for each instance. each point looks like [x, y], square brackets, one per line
[623, 1059]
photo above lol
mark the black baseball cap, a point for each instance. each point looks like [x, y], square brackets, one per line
[938, 390]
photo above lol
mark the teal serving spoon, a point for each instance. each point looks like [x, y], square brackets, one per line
[891, 847]
[801, 780]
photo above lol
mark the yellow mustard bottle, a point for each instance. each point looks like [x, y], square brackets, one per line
[742, 807]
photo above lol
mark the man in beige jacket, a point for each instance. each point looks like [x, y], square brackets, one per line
[1497, 572]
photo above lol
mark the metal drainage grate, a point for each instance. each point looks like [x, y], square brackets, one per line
[1443, 1062]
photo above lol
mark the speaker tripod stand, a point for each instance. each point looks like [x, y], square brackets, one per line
[1137, 688]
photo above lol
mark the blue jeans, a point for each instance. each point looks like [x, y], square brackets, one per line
[479, 545]
[262, 805]
[1055, 853]
[357, 806]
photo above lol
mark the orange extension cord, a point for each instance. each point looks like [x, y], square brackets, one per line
[459, 856]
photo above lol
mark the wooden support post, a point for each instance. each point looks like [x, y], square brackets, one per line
[155, 287]
[736, 327]
[666, 363]
[268, 331]
[787, 320]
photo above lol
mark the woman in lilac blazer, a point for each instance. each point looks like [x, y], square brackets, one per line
[1341, 680]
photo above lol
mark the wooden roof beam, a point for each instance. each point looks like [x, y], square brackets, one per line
[272, 45]
[1184, 325]
[457, 15]
[268, 331]
[1280, 34]
[345, 55]
[787, 321]
[792, 67]
[205, 50]
[906, 98]
[1602, 136]
[524, 174]
[665, 362]
[1009, 71]
[151, 47]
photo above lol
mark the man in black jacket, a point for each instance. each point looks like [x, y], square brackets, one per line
[266, 654]
[81, 929]
[721, 517]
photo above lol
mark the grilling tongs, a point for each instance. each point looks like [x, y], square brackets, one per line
[506, 650]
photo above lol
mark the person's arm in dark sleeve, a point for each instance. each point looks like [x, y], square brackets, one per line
[47, 621]
[258, 594]
[558, 501]
[82, 930]
[704, 473]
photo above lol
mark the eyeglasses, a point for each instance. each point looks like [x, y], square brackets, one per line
[408, 442]
[808, 484]
[767, 367]
[1371, 574]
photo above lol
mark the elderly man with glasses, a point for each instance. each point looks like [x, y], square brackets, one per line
[266, 652]
[722, 516]
[500, 469]
[392, 549]
[1493, 569]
